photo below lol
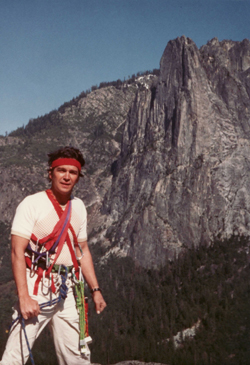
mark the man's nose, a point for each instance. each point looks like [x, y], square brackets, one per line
[66, 175]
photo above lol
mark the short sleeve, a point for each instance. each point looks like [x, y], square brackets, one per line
[82, 235]
[24, 219]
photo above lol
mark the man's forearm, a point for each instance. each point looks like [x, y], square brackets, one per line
[19, 272]
[90, 277]
[28, 307]
[87, 267]
[19, 265]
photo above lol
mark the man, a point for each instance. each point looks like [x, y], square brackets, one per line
[48, 236]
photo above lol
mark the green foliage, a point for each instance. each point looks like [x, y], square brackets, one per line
[146, 308]
[7, 299]
[32, 151]
[5, 266]
[38, 125]
[54, 118]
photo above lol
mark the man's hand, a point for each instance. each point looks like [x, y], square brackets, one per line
[100, 303]
[29, 307]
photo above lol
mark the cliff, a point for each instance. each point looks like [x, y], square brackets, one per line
[167, 157]
[182, 177]
[167, 168]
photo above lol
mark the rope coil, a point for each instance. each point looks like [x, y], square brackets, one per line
[62, 296]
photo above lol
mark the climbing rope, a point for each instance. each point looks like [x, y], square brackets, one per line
[27, 341]
[80, 305]
[62, 296]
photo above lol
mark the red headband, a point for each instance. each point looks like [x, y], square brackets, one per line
[66, 161]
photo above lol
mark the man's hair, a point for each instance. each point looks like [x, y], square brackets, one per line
[66, 152]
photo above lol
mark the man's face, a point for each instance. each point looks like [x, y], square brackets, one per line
[63, 179]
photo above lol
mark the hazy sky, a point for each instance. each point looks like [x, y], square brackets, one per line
[52, 50]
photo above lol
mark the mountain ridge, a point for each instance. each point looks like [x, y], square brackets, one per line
[190, 149]
[166, 155]
[167, 171]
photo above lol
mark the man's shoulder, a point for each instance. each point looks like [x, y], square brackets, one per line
[39, 194]
[78, 203]
[36, 198]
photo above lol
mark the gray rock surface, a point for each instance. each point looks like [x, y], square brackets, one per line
[134, 362]
[167, 158]
[94, 125]
[183, 177]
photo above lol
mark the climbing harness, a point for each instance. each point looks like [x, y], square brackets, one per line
[38, 261]
[62, 296]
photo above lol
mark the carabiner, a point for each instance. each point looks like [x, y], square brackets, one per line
[32, 267]
[82, 254]
[44, 272]
[74, 278]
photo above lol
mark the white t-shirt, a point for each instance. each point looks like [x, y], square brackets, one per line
[36, 214]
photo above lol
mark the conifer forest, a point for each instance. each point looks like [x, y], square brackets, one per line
[167, 169]
[148, 307]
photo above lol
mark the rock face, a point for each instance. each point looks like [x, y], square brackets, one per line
[167, 157]
[134, 362]
[183, 176]
[93, 123]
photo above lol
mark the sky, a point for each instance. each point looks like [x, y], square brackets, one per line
[52, 50]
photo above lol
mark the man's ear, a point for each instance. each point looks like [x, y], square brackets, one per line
[50, 174]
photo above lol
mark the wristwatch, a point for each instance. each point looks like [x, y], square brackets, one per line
[95, 289]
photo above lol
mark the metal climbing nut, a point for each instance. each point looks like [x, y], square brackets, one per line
[47, 260]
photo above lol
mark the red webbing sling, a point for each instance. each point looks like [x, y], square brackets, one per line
[60, 232]
[60, 211]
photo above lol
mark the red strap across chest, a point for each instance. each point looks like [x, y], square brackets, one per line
[60, 212]
[49, 240]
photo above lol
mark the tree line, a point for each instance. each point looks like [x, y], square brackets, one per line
[36, 125]
[148, 307]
